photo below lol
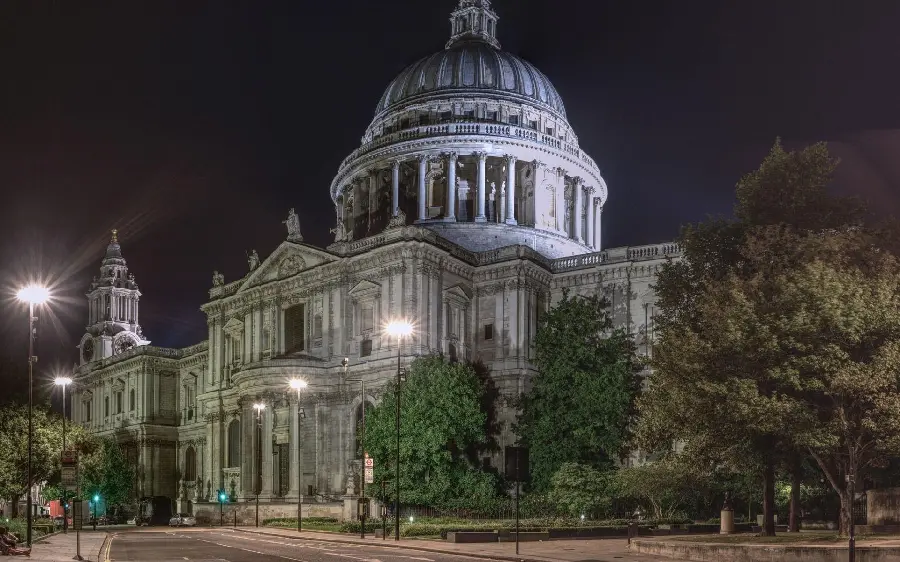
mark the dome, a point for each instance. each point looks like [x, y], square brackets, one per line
[473, 65]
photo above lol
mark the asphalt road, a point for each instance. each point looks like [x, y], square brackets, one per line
[223, 545]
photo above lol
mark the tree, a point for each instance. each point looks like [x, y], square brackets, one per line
[666, 485]
[46, 447]
[443, 429]
[578, 489]
[106, 471]
[711, 390]
[582, 402]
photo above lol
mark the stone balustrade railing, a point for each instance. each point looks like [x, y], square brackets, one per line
[617, 255]
[470, 128]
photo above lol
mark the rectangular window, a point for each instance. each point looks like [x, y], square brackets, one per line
[265, 338]
[533, 125]
[488, 331]
[424, 119]
[87, 410]
[119, 402]
[131, 400]
[446, 115]
[317, 327]
[367, 320]
[106, 406]
[513, 119]
[492, 116]
[550, 131]
[295, 328]
[404, 123]
[469, 113]
[365, 348]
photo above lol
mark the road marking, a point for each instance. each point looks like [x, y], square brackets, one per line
[108, 546]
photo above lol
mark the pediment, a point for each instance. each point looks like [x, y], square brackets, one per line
[233, 326]
[364, 288]
[288, 259]
[458, 291]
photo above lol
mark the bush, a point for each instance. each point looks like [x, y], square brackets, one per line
[354, 526]
[292, 521]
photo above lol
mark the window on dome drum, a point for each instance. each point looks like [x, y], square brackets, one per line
[488, 332]
[365, 348]
[492, 116]
[234, 444]
[190, 465]
[533, 125]
[469, 113]
[550, 131]
[295, 328]
[446, 116]
[404, 123]
[424, 119]
[513, 119]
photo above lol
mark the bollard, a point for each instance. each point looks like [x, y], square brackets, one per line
[726, 521]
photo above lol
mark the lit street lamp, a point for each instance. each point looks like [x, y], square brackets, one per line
[259, 407]
[63, 382]
[299, 385]
[398, 328]
[33, 295]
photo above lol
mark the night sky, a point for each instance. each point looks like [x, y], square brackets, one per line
[193, 127]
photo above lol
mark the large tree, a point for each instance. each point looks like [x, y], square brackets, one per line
[106, 471]
[720, 396]
[581, 404]
[445, 423]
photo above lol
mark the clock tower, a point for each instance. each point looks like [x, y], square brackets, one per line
[113, 302]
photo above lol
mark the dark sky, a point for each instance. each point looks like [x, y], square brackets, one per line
[193, 127]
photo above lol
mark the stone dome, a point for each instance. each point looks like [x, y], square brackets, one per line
[472, 65]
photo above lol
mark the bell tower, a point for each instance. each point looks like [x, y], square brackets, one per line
[113, 302]
[473, 20]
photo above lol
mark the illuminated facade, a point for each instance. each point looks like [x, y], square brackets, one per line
[468, 208]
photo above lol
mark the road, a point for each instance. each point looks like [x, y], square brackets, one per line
[223, 545]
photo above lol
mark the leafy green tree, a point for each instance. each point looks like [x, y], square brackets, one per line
[443, 428]
[581, 404]
[667, 486]
[107, 472]
[577, 490]
[716, 393]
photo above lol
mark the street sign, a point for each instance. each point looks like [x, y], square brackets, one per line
[70, 478]
[69, 457]
[77, 514]
[370, 462]
[370, 475]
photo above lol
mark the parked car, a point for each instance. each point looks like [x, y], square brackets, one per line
[182, 520]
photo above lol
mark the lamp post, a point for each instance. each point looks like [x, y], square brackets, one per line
[398, 328]
[299, 385]
[33, 295]
[259, 407]
[63, 382]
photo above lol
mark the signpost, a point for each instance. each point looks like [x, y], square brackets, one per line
[70, 484]
[369, 470]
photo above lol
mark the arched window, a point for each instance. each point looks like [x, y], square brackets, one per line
[234, 444]
[190, 464]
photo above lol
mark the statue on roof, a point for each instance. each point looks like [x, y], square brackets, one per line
[293, 227]
[253, 260]
[218, 279]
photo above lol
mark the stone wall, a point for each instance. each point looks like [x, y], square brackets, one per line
[245, 513]
[883, 506]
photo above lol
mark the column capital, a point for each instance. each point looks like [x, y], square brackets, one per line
[452, 155]
[481, 155]
[395, 164]
[591, 189]
[423, 158]
[511, 158]
[577, 180]
[561, 172]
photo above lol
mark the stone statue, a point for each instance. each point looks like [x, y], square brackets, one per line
[397, 221]
[253, 260]
[351, 478]
[218, 279]
[339, 231]
[293, 227]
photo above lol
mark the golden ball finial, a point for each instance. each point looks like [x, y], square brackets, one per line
[115, 239]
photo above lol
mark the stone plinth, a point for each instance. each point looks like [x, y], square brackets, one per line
[883, 506]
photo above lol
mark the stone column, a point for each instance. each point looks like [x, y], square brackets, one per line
[597, 233]
[296, 469]
[395, 187]
[590, 217]
[511, 189]
[423, 162]
[450, 211]
[267, 468]
[577, 195]
[479, 202]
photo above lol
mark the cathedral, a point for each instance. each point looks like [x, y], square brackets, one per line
[467, 210]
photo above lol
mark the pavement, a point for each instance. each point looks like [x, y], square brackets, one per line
[60, 547]
[276, 545]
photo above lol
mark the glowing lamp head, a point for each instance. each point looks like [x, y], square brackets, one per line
[62, 381]
[222, 497]
[399, 328]
[96, 498]
[259, 407]
[33, 294]
[298, 384]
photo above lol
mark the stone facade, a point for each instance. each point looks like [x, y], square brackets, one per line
[453, 215]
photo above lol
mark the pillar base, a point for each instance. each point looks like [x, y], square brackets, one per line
[511, 222]
[482, 218]
[449, 219]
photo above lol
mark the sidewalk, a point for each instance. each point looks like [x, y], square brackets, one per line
[571, 550]
[61, 547]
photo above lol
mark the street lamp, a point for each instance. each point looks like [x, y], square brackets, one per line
[259, 407]
[33, 295]
[398, 328]
[63, 382]
[299, 385]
